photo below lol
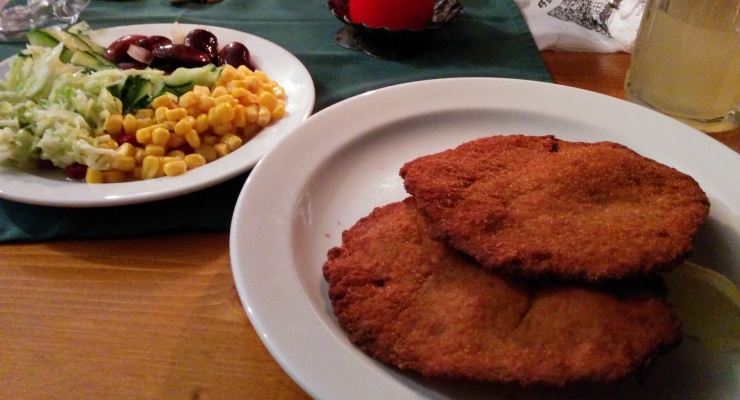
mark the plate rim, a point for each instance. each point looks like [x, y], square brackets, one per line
[255, 189]
[211, 174]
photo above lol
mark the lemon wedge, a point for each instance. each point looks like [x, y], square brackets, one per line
[708, 305]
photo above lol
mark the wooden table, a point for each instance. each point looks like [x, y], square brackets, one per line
[159, 317]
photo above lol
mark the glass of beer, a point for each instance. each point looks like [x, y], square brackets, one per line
[686, 62]
[19, 16]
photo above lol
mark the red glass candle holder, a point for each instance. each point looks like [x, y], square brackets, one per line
[385, 42]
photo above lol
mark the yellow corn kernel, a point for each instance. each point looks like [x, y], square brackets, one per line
[174, 168]
[114, 176]
[165, 159]
[231, 141]
[179, 154]
[244, 71]
[184, 125]
[209, 140]
[176, 114]
[108, 144]
[130, 124]
[159, 114]
[144, 122]
[175, 141]
[279, 111]
[219, 91]
[189, 100]
[254, 83]
[150, 167]
[228, 74]
[279, 92]
[201, 90]
[240, 116]
[221, 114]
[114, 124]
[136, 173]
[193, 139]
[123, 163]
[144, 135]
[250, 130]
[263, 118]
[208, 152]
[165, 100]
[252, 113]
[143, 113]
[238, 85]
[126, 149]
[261, 75]
[160, 136]
[139, 155]
[93, 176]
[225, 98]
[240, 92]
[194, 160]
[250, 99]
[201, 123]
[267, 100]
[222, 129]
[154, 150]
[221, 149]
[206, 103]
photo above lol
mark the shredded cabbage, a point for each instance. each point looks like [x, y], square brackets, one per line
[50, 110]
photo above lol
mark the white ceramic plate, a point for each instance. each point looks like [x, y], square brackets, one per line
[344, 161]
[52, 188]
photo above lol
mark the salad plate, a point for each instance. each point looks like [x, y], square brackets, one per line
[287, 218]
[52, 188]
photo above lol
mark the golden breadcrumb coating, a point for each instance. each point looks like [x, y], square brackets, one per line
[539, 206]
[417, 304]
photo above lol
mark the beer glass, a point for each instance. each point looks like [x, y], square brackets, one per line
[686, 62]
[18, 16]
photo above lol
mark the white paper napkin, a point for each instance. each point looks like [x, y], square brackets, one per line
[583, 25]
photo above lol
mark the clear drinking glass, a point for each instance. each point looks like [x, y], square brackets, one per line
[686, 62]
[18, 16]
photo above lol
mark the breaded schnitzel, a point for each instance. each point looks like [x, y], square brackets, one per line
[539, 206]
[415, 303]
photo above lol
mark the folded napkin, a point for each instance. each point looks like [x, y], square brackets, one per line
[491, 39]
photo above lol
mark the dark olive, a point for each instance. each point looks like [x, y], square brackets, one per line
[179, 55]
[203, 41]
[76, 171]
[150, 42]
[235, 54]
[117, 51]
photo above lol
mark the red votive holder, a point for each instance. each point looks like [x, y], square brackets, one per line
[392, 14]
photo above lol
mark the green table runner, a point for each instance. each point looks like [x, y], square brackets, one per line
[491, 39]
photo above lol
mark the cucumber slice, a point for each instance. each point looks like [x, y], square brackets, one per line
[38, 37]
[69, 40]
[90, 60]
[93, 46]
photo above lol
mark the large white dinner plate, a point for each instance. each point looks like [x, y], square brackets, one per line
[344, 161]
[52, 188]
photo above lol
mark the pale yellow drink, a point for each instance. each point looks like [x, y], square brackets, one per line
[686, 61]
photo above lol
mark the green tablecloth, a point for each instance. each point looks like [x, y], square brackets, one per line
[491, 39]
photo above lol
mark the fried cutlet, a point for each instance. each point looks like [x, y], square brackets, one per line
[417, 304]
[539, 206]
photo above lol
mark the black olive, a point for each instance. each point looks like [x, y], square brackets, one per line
[204, 41]
[235, 54]
[117, 52]
[150, 42]
[179, 55]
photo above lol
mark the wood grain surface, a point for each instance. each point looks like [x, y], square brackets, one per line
[159, 317]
